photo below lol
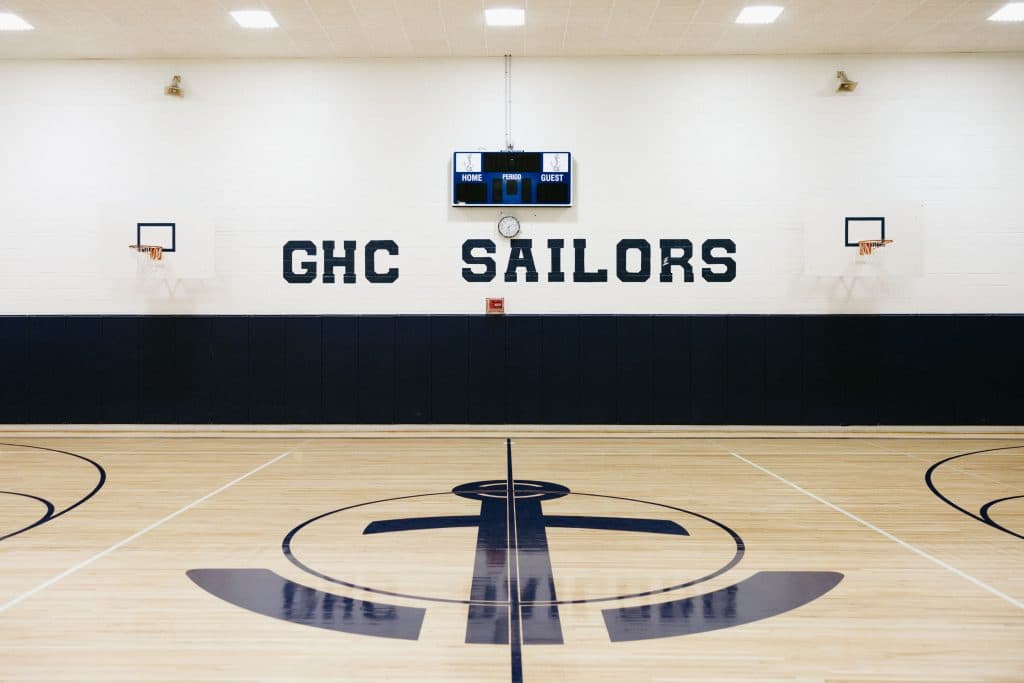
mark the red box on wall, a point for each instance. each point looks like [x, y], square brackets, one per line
[495, 306]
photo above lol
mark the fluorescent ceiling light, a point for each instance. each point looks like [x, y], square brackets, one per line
[759, 14]
[255, 18]
[1013, 11]
[503, 16]
[12, 22]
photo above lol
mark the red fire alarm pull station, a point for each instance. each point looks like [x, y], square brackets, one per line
[496, 306]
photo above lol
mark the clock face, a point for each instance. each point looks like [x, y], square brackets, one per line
[508, 226]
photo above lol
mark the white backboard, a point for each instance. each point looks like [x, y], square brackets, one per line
[831, 230]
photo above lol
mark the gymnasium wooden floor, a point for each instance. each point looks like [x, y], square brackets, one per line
[281, 557]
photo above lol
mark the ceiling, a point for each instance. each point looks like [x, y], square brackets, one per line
[455, 28]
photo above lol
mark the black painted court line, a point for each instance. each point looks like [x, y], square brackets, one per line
[983, 515]
[50, 514]
[515, 635]
[986, 515]
[289, 553]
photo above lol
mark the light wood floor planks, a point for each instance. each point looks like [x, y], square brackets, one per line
[809, 559]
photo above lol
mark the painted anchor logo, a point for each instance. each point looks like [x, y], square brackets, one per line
[512, 576]
[512, 596]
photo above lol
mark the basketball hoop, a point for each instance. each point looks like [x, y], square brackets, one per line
[155, 253]
[866, 246]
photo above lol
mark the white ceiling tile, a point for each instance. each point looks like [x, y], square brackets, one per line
[665, 30]
[376, 12]
[1005, 40]
[892, 11]
[432, 28]
[505, 41]
[316, 41]
[589, 11]
[333, 12]
[546, 44]
[719, 11]
[701, 36]
[347, 38]
[297, 20]
[430, 48]
[676, 11]
[463, 12]
[975, 11]
[934, 11]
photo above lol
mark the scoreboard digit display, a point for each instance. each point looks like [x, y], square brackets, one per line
[512, 179]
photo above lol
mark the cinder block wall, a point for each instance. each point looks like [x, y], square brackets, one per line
[725, 154]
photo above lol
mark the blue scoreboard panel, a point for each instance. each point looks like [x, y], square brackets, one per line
[512, 179]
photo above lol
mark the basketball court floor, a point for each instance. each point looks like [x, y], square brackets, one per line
[519, 556]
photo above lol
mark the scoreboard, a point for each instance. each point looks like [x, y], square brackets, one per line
[512, 179]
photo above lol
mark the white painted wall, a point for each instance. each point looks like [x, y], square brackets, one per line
[260, 152]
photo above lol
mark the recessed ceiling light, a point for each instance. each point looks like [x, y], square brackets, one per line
[505, 16]
[759, 14]
[12, 22]
[255, 18]
[1013, 11]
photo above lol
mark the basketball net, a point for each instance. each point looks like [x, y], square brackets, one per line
[865, 247]
[154, 253]
[149, 264]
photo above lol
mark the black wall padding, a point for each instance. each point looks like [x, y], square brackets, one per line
[555, 369]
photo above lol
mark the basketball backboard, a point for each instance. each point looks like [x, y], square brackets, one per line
[185, 237]
[833, 231]
[163, 235]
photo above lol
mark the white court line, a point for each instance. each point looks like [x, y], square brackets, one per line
[85, 563]
[977, 582]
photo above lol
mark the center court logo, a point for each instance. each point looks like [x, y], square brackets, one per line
[512, 599]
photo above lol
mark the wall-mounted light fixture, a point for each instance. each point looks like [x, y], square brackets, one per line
[845, 84]
[174, 89]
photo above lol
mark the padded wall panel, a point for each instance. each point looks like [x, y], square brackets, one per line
[304, 370]
[827, 370]
[16, 383]
[225, 369]
[86, 371]
[561, 369]
[1005, 343]
[523, 370]
[974, 401]
[487, 380]
[160, 382]
[634, 369]
[671, 391]
[856, 349]
[191, 353]
[449, 369]
[341, 358]
[119, 358]
[783, 358]
[266, 369]
[598, 370]
[412, 369]
[48, 363]
[375, 372]
[819, 395]
[1009, 336]
[913, 371]
[708, 368]
[745, 370]
[989, 375]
